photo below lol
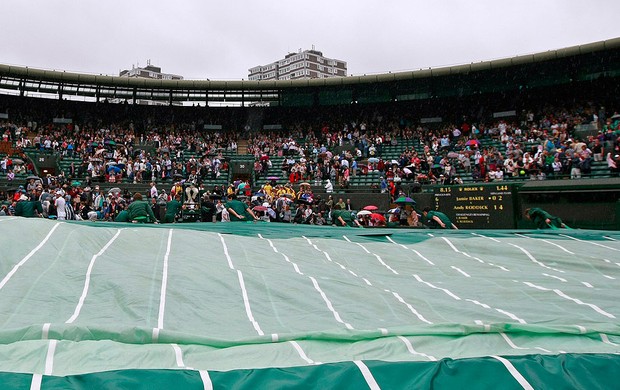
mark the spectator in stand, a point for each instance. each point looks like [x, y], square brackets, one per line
[613, 163]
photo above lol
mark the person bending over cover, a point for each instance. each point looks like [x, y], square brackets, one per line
[238, 210]
[437, 219]
[138, 211]
[543, 220]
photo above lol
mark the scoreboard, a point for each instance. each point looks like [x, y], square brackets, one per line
[480, 206]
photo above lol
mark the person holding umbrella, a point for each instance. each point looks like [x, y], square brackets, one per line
[437, 219]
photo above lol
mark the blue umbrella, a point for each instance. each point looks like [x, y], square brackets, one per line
[114, 168]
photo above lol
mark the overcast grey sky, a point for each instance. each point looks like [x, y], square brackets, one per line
[223, 39]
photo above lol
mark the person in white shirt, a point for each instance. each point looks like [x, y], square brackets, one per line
[60, 205]
[329, 187]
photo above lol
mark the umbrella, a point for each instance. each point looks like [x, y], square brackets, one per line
[472, 142]
[113, 168]
[453, 154]
[615, 116]
[111, 163]
[373, 160]
[264, 157]
[305, 199]
[33, 177]
[259, 208]
[273, 178]
[76, 183]
[259, 194]
[114, 190]
[304, 184]
[121, 166]
[377, 217]
[18, 161]
[405, 200]
[394, 210]
[363, 212]
[370, 208]
[394, 162]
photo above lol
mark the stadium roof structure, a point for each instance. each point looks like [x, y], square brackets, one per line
[267, 305]
[392, 86]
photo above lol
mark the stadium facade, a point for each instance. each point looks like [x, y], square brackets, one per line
[590, 70]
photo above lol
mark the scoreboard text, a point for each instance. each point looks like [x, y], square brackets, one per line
[481, 206]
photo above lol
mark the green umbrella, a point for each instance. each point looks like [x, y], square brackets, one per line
[405, 200]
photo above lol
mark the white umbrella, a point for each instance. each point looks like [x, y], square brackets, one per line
[364, 212]
[18, 161]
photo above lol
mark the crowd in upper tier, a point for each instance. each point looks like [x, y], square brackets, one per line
[327, 152]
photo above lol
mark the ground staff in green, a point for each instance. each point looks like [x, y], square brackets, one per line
[437, 219]
[543, 220]
[172, 209]
[138, 211]
[238, 210]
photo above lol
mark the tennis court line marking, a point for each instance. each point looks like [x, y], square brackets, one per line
[576, 300]
[343, 267]
[246, 302]
[411, 308]
[589, 242]
[370, 380]
[374, 254]
[546, 241]
[244, 293]
[514, 346]
[450, 294]
[529, 255]
[27, 257]
[395, 294]
[230, 264]
[413, 250]
[206, 380]
[413, 351]
[605, 339]
[488, 238]
[162, 295]
[301, 352]
[514, 372]
[80, 304]
[473, 257]
[317, 287]
[35, 383]
[485, 327]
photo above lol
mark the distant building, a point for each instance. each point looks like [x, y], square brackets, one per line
[149, 72]
[308, 64]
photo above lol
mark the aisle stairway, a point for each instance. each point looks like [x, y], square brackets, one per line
[242, 146]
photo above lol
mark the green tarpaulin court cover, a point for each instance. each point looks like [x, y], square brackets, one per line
[265, 305]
